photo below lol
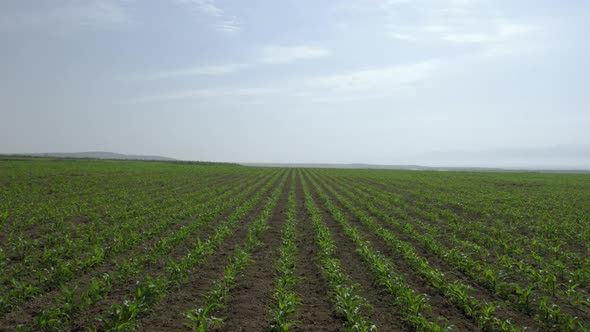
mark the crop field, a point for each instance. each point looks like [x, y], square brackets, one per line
[153, 246]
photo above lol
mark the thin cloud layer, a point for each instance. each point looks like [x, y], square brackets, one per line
[85, 15]
[267, 55]
[450, 23]
[377, 79]
[287, 54]
[221, 21]
[200, 94]
[369, 81]
[463, 31]
[209, 70]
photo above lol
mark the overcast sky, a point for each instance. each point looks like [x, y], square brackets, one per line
[433, 82]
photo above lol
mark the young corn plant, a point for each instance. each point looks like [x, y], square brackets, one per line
[202, 319]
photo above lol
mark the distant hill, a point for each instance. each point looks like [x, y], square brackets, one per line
[98, 155]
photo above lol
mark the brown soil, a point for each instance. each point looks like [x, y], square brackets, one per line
[168, 315]
[77, 220]
[384, 314]
[316, 312]
[247, 308]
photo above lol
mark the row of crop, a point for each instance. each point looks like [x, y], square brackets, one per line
[72, 199]
[549, 314]
[518, 225]
[520, 197]
[482, 243]
[411, 304]
[493, 275]
[175, 272]
[454, 290]
[109, 237]
[125, 314]
[550, 208]
[521, 239]
[67, 241]
[348, 304]
[63, 270]
[81, 215]
[202, 318]
[99, 287]
[47, 205]
[63, 220]
[473, 241]
[286, 301]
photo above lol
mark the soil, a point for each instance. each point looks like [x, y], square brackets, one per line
[316, 313]
[386, 316]
[247, 309]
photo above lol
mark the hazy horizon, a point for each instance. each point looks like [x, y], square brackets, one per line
[475, 83]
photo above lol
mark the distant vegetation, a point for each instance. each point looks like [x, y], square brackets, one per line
[84, 156]
[99, 155]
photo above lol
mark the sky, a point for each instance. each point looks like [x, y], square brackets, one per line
[496, 83]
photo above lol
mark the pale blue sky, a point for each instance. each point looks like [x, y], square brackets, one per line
[433, 82]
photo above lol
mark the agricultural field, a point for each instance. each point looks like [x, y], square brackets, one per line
[155, 246]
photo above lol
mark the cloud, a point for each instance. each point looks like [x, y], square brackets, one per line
[287, 54]
[220, 20]
[498, 31]
[371, 83]
[223, 94]
[503, 39]
[476, 38]
[211, 70]
[206, 7]
[378, 82]
[229, 26]
[463, 26]
[402, 36]
[377, 78]
[88, 15]
[269, 55]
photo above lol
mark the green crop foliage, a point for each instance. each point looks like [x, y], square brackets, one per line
[286, 301]
[98, 245]
[202, 318]
[348, 304]
[488, 275]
